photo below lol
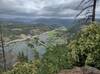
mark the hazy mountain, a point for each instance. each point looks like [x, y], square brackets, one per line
[47, 21]
[41, 21]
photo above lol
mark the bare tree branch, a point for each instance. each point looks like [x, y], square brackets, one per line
[84, 10]
[86, 5]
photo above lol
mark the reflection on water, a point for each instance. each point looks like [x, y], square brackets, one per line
[13, 50]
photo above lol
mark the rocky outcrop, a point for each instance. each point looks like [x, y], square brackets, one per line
[81, 70]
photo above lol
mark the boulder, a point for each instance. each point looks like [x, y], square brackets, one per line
[81, 70]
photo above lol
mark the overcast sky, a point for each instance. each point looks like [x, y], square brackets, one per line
[40, 8]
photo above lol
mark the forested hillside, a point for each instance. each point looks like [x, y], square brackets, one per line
[49, 36]
[83, 50]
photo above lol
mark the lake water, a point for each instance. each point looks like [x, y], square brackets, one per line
[13, 50]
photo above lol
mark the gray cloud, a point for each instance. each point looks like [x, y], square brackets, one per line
[40, 8]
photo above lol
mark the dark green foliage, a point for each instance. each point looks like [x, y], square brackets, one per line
[22, 57]
[54, 60]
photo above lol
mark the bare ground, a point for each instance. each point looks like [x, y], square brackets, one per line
[81, 70]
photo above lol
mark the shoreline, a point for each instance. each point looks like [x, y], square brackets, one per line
[24, 39]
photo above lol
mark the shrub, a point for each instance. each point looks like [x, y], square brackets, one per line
[23, 68]
[85, 49]
[55, 59]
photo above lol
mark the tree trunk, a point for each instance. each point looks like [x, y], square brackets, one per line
[94, 9]
[3, 50]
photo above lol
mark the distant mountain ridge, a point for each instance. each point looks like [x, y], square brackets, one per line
[48, 21]
[42, 21]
